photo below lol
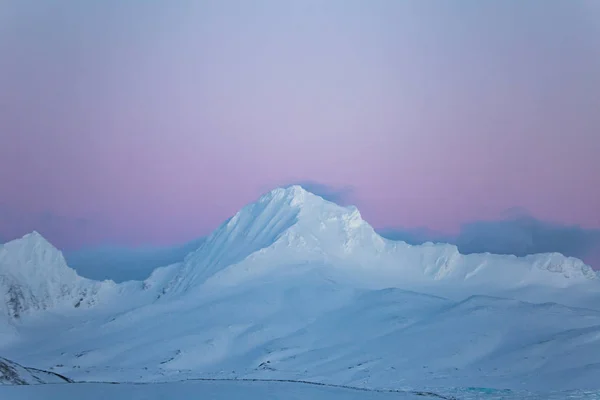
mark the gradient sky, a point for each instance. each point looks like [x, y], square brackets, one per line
[150, 122]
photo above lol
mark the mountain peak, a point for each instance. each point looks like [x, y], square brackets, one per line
[34, 237]
[289, 217]
[294, 195]
[32, 244]
[33, 257]
[33, 275]
[303, 201]
[295, 191]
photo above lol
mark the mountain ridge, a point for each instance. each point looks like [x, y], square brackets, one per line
[286, 226]
[326, 232]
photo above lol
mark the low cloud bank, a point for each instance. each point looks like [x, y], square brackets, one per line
[125, 264]
[516, 234]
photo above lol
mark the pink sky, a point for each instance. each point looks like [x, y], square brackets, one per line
[153, 122]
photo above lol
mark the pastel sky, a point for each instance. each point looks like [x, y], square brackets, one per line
[150, 122]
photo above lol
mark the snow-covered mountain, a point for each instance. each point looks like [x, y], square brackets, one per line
[290, 226]
[285, 227]
[35, 276]
[296, 287]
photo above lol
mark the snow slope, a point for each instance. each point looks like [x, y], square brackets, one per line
[295, 287]
[310, 328]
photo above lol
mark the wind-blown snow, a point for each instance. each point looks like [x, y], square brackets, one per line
[295, 287]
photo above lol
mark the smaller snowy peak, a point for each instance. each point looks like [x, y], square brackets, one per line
[34, 259]
[30, 243]
[35, 276]
[33, 237]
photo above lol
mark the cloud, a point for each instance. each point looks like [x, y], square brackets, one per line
[123, 264]
[415, 235]
[517, 233]
[98, 263]
[62, 231]
[527, 235]
[342, 195]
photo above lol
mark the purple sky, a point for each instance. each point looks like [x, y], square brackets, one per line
[151, 122]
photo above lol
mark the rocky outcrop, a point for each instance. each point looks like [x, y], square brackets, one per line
[12, 373]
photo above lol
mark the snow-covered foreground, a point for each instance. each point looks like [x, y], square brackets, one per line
[297, 288]
[262, 390]
[326, 333]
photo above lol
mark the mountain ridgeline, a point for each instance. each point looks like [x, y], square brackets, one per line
[293, 287]
[284, 227]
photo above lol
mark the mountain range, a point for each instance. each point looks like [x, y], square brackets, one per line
[296, 287]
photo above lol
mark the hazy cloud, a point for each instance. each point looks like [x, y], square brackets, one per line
[123, 264]
[527, 235]
[61, 231]
[99, 263]
[518, 233]
[415, 235]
